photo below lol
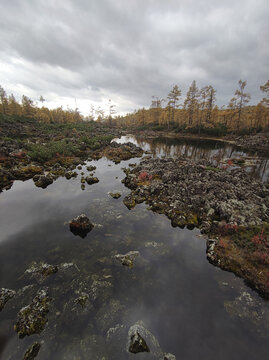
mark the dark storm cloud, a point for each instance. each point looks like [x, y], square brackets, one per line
[131, 50]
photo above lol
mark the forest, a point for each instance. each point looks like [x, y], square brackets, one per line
[197, 113]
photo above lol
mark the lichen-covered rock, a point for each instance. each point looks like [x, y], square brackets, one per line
[141, 339]
[127, 259]
[129, 202]
[91, 180]
[40, 271]
[91, 168]
[32, 352]
[137, 344]
[168, 356]
[5, 296]
[81, 225]
[43, 181]
[115, 195]
[32, 318]
[27, 172]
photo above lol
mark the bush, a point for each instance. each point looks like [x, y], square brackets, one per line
[42, 153]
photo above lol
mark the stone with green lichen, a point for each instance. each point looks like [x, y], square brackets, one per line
[129, 202]
[91, 168]
[81, 300]
[5, 296]
[32, 318]
[127, 259]
[40, 271]
[115, 195]
[32, 352]
[91, 180]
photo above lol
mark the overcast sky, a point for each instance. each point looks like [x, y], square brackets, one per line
[130, 50]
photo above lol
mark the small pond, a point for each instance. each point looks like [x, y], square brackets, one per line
[195, 310]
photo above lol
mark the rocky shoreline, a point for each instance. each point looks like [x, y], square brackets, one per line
[228, 206]
[258, 143]
[29, 151]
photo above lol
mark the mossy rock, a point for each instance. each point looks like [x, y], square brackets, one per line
[32, 318]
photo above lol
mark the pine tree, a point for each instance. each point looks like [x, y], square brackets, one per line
[3, 98]
[265, 89]
[173, 98]
[239, 101]
[191, 103]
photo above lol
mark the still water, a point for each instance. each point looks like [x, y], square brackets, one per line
[217, 152]
[195, 310]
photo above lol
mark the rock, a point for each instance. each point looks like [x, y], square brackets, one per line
[129, 202]
[91, 168]
[5, 296]
[128, 259]
[109, 313]
[197, 194]
[81, 225]
[40, 271]
[32, 352]
[43, 181]
[141, 339]
[100, 290]
[91, 180]
[168, 356]
[115, 195]
[137, 344]
[32, 318]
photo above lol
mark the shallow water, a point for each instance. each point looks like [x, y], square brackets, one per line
[217, 152]
[195, 310]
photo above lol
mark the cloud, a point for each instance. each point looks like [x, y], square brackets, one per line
[95, 50]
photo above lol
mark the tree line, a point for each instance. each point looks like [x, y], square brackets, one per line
[27, 109]
[199, 111]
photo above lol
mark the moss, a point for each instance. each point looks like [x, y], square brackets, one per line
[211, 168]
[238, 253]
[27, 172]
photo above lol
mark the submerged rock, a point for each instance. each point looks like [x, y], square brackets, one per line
[250, 309]
[40, 271]
[127, 259]
[32, 318]
[81, 225]
[168, 356]
[5, 296]
[32, 352]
